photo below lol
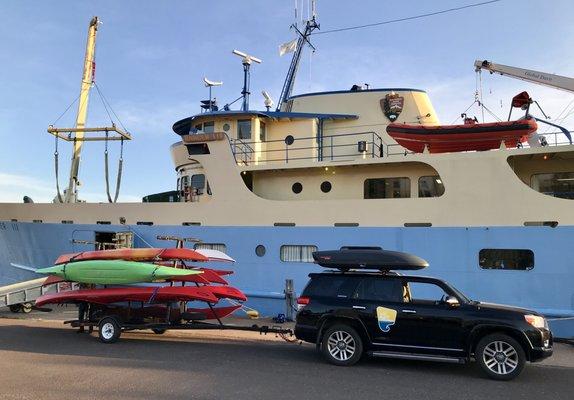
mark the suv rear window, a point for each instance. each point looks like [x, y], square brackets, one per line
[331, 286]
[379, 289]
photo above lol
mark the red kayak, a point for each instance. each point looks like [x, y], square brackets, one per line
[467, 137]
[140, 254]
[226, 292]
[208, 276]
[215, 312]
[158, 294]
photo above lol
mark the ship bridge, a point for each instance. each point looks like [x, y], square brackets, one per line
[339, 125]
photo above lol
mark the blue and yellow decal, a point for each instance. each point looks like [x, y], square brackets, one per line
[386, 318]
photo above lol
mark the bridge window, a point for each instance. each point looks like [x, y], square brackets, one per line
[430, 186]
[297, 253]
[262, 131]
[244, 129]
[559, 184]
[509, 259]
[208, 127]
[387, 188]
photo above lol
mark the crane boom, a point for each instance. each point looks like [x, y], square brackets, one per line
[87, 81]
[543, 78]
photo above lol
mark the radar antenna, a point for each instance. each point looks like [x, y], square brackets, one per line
[246, 61]
[209, 84]
[268, 100]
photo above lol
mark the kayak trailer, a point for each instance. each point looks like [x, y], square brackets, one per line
[111, 325]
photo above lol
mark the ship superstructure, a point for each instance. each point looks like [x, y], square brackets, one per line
[321, 172]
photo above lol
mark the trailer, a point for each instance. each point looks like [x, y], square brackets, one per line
[112, 320]
[20, 297]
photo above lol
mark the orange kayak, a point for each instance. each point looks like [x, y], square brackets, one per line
[140, 254]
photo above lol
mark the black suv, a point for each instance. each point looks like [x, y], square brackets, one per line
[349, 313]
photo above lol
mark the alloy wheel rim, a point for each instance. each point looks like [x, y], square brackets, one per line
[500, 357]
[108, 330]
[341, 345]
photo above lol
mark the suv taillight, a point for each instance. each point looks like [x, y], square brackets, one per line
[302, 302]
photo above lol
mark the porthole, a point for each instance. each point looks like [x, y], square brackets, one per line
[289, 140]
[260, 250]
[226, 127]
[297, 188]
[326, 187]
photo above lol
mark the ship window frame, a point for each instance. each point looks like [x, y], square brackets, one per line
[505, 264]
[568, 175]
[297, 187]
[262, 131]
[210, 125]
[297, 253]
[210, 246]
[240, 132]
[326, 186]
[367, 192]
[436, 179]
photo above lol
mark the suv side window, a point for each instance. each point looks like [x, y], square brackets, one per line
[380, 289]
[425, 293]
[341, 286]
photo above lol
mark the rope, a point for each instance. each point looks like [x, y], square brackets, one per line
[481, 103]
[56, 168]
[107, 171]
[120, 168]
[105, 100]
[66, 110]
[408, 18]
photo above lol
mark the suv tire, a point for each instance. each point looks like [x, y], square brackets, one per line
[500, 356]
[341, 345]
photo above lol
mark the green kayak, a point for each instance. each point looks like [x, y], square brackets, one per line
[114, 272]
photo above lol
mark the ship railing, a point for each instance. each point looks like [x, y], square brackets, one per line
[242, 151]
[331, 147]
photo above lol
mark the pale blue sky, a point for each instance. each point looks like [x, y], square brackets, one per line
[152, 56]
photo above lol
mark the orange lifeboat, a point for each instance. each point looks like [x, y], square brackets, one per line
[470, 136]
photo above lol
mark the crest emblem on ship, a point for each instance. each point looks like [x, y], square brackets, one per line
[392, 105]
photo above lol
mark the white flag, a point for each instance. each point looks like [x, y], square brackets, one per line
[288, 47]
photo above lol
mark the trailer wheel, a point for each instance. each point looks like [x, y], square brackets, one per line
[15, 308]
[109, 330]
[26, 308]
[158, 331]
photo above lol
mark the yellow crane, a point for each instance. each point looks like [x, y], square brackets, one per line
[80, 133]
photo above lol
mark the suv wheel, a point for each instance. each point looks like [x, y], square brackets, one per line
[342, 345]
[500, 357]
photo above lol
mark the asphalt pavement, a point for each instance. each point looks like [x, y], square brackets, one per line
[42, 359]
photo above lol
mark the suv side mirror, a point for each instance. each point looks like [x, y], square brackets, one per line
[452, 301]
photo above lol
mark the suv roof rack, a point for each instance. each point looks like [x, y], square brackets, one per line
[368, 258]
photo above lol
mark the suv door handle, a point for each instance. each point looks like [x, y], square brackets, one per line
[409, 311]
[359, 307]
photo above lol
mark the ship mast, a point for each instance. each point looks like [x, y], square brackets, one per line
[87, 81]
[303, 39]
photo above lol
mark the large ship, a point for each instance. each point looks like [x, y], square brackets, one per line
[320, 172]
